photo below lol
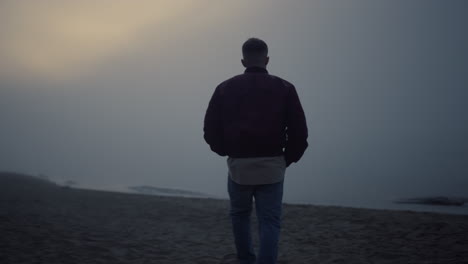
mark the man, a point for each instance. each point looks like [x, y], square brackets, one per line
[256, 119]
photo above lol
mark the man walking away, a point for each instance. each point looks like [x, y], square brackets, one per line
[256, 119]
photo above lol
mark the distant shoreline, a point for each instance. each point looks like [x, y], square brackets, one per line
[393, 205]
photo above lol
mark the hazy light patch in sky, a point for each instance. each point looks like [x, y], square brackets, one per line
[55, 39]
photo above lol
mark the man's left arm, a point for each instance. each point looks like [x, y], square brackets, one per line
[213, 124]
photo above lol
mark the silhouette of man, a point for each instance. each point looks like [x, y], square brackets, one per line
[256, 119]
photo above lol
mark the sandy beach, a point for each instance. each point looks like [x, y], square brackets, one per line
[41, 222]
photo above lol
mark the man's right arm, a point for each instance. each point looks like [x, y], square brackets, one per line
[296, 128]
[213, 124]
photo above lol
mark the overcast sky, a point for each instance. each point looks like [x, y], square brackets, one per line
[113, 93]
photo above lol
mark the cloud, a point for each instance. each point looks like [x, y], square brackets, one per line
[56, 38]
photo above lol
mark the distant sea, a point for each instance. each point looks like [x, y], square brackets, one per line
[371, 203]
[389, 204]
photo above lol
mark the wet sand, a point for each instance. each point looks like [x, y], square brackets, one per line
[41, 222]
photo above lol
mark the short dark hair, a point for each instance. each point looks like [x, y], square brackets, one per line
[254, 48]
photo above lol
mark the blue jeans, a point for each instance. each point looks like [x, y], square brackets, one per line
[268, 203]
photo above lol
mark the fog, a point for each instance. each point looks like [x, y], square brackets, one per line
[383, 85]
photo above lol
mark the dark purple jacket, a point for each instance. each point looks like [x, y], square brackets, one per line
[256, 114]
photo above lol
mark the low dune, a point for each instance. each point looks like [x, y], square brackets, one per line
[41, 222]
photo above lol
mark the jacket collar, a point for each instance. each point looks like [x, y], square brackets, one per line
[255, 69]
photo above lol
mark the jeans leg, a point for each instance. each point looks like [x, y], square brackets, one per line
[241, 208]
[268, 203]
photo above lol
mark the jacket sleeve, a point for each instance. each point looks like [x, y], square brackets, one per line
[296, 128]
[213, 124]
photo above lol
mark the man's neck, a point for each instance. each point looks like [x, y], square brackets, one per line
[256, 69]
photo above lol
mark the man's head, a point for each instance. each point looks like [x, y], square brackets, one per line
[255, 53]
